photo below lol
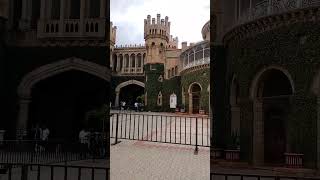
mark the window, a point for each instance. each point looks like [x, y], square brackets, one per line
[176, 70]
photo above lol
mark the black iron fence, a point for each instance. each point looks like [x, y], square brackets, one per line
[183, 129]
[228, 176]
[16, 171]
[30, 151]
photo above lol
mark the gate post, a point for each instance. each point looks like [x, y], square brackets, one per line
[117, 127]
[196, 150]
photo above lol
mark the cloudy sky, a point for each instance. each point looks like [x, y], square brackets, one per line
[187, 18]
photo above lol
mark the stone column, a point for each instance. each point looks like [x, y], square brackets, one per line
[318, 133]
[190, 103]
[25, 19]
[258, 134]
[136, 63]
[269, 6]
[23, 117]
[102, 9]
[117, 99]
[43, 9]
[203, 54]
[194, 57]
[62, 16]
[239, 10]
[118, 63]
[82, 16]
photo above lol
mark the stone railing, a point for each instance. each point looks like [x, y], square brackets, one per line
[71, 28]
[197, 62]
[272, 7]
[130, 46]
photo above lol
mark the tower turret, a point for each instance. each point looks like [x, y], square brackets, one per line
[156, 35]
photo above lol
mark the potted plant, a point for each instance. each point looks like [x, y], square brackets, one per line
[233, 152]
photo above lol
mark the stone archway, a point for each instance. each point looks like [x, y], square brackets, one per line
[270, 91]
[194, 91]
[46, 71]
[123, 84]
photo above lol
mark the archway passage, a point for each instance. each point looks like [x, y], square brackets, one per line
[196, 95]
[60, 102]
[130, 93]
[274, 90]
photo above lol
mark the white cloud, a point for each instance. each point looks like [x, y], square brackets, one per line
[187, 18]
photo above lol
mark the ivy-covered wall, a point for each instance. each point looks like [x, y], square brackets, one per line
[172, 85]
[296, 49]
[154, 74]
[202, 77]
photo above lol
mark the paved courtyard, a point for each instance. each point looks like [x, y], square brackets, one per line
[140, 160]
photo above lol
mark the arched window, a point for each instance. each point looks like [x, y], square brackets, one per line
[176, 70]
[169, 73]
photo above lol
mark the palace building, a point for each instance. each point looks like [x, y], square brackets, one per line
[164, 75]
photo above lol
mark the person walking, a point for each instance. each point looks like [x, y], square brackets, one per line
[84, 142]
[45, 132]
[136, 106]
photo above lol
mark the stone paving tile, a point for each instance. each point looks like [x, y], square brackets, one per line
[137, 160]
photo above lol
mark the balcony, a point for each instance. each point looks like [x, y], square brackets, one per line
[266, 8]
[72, 28]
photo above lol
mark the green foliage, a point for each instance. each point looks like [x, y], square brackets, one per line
[203, 78]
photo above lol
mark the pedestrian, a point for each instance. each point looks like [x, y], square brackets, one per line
[44, 137]
[136, 106]
[83, 138]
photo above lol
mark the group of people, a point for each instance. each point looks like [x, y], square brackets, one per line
[137, 106]
[91, 142]
[41, 137]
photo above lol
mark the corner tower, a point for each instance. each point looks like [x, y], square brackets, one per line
[156, 35]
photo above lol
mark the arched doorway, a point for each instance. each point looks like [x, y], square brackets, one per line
[194, 98]
[128, 92]
[65, 99]
[44, 91]
[271, 95]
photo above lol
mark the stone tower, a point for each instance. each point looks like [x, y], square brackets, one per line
[156, 35]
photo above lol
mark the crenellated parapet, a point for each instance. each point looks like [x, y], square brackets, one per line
[173, 42]
[157, 28]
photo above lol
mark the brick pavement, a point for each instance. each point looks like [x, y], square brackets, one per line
[140, 160]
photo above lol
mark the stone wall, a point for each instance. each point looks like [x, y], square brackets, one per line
[294, 48]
